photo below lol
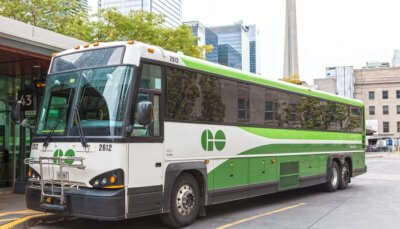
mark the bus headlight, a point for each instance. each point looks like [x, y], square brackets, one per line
[110, 180]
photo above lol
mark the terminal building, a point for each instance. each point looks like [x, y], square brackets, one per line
[25, 54]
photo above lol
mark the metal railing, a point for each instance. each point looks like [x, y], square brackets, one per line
[56, 180]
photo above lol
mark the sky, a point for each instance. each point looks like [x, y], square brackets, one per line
[330, 32]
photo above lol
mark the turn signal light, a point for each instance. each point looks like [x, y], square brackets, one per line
[112, 179]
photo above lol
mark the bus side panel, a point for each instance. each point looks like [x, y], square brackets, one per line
[145, 179]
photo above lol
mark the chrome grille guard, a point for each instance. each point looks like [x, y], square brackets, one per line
[55, 166]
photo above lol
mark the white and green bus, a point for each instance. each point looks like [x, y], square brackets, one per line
[127, 129]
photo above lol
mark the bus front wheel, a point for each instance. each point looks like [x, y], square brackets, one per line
[185, 202]
[333, 178]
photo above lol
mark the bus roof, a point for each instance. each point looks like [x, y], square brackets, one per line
[160, 54]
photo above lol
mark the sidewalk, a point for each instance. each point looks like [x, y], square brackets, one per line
[14, 214]
[393, 155]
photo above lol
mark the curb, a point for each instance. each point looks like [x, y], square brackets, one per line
[31, 220]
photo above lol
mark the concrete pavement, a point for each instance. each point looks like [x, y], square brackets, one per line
[371, 201]
[14, 214]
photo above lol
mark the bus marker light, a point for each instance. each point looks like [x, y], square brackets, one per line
[150, 50]
[131, 42]
[95, 44]
[54, 54]
[86, 46]
[206, 162]
[77, 47]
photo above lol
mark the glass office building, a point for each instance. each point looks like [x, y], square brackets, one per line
[205, 37]
[254, 49]
[237, 37]
[228, 56]
[171, 9]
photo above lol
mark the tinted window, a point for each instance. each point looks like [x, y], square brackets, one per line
[205, 98]
[385, 110]
[386, 127]
[385, 95]
[372, 110]
[371, 95]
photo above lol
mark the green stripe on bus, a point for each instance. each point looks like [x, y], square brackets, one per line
[302, 148]
[301, 134]
[220, 70]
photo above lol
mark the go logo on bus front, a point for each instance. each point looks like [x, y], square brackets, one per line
[208, 140]
[59, 153]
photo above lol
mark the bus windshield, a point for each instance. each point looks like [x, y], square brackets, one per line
[99, 95]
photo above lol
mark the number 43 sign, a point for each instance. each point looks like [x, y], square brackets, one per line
[26, 98]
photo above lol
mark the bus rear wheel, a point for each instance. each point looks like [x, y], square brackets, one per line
[333, 178]
[345, 177]
[185, 202]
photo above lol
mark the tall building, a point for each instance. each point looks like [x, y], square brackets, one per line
[171, 9]
[254, 49]
[339, 80]
[205, 37]
[228, 56]
[396, 58]
[237, 37]
[379, 89]
[291, 64]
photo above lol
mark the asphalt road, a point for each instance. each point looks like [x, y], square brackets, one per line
[371, 201]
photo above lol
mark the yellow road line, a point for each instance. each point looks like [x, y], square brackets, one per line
[256, 216]
[22, 220]
[9, 219]
[26, 211]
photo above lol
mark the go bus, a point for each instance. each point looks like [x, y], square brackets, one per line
[126, 129]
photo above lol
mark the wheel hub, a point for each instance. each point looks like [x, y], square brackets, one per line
[334, 177]
[185, 200]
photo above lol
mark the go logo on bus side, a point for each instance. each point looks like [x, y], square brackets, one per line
[208, 140]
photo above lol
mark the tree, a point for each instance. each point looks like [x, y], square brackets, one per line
[68, 17]
[145, 27]
[62, 16]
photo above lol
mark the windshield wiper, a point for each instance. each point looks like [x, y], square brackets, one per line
[81, 134]
[48, 136]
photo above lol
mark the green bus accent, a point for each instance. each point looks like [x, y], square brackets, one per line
[224, 71]
[302, 134]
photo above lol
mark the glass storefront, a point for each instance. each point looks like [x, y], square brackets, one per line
[15, 141]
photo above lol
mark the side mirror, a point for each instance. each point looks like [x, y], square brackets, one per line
[16, 114]
[144, 112]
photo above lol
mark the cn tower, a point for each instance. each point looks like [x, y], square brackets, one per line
[291, 62]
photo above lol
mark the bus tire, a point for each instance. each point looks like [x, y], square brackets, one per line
[333, 178]
[345, 177]
[185, 202]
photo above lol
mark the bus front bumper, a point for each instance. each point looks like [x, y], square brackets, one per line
[82, 202]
